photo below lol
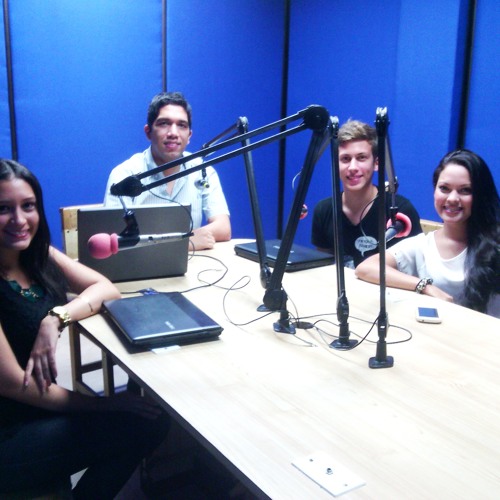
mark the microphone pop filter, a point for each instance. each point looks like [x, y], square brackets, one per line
[102, 245]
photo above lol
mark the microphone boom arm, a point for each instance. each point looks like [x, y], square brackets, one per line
[131, 186]
[275, 296]
[131, 225]
[314, 117]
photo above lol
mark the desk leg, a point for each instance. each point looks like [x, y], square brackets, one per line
[75, 350]
[78, 368]
[108, 375]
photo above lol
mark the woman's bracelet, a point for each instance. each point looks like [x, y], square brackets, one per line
[87, 301]
[422, 284]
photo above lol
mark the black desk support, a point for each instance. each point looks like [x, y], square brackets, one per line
[381, 360]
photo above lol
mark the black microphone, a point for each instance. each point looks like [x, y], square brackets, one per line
[400, 228]
[130, 186]
[103, 245]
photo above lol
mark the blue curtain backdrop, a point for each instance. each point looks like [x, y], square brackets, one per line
[84, 73]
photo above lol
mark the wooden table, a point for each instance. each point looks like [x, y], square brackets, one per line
[428, 427]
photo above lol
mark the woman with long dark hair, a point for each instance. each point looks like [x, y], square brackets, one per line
[47, 432]
[459, 262]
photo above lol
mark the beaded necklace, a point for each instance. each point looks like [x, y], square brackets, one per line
[33, 293]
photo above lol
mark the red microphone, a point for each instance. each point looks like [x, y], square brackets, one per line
[303, 212]
[400, 228]
[103, 245]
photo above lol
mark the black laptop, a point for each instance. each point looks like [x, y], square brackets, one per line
[160, 320]
[300, 257]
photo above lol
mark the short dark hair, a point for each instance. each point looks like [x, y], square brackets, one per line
[163, 99]
[354, 130]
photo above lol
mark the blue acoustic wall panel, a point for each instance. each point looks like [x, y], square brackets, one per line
[84, 73]
[484, 99]
[354, 57]
[344, 57]
[429, 69]
[226, 57]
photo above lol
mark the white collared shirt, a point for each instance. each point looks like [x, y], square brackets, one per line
[205, 201]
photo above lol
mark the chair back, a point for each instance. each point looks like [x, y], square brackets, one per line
[430, 225]
[69, 223]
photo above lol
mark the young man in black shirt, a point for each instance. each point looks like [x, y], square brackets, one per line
[357, 163]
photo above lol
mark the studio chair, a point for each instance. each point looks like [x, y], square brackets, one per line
[429, 225]
[69, 223]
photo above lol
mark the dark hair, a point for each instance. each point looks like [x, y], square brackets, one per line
[35, 259]
[482, 276]
[163, 99]
[354, 130]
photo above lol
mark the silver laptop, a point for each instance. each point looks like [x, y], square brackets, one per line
[156, 260]
[160, 319]
[300, 257]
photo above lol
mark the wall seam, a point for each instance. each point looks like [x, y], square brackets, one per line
[283, 113]
[10, 82]
[466, 74]
[164, 45]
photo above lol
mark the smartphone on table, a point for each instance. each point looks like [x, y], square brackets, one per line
[427, 315]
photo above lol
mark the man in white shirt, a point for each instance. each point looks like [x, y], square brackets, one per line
[169, 131]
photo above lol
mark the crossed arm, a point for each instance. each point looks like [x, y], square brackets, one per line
[55, 398]
[33, 385]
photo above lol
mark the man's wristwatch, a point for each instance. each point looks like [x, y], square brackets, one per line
[422, 284]
[63, 315]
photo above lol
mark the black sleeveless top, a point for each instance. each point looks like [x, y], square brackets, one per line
[20, 320]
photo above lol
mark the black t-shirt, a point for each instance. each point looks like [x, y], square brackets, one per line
[361, 240]
[20, 320]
